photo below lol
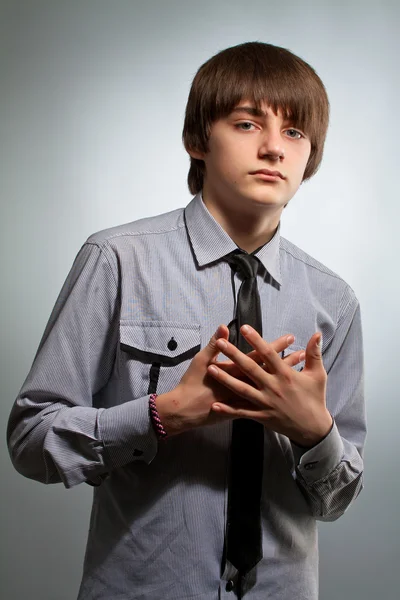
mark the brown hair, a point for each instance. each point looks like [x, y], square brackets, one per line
[257, 72]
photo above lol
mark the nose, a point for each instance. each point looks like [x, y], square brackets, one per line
[272, 145]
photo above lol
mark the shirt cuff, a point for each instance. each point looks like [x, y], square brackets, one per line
[127, 433]
[319, 461]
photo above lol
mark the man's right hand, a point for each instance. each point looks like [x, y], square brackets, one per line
[189, 404]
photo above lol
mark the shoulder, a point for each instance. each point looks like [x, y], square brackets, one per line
[296, 254]
[300, 266]
[161, 224]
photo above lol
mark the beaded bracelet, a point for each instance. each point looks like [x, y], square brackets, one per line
[158, 426]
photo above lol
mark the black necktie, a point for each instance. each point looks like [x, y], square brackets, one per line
[244, 538]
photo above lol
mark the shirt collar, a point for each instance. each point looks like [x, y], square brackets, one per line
[210, 242]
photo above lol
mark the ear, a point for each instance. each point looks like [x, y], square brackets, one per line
[193, 153]
[196, 154]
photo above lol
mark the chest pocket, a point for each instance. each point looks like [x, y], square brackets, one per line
[155, 355]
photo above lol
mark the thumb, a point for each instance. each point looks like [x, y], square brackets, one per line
[314, 354]
[210, 351]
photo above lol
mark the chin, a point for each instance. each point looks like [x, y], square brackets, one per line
[266, 201]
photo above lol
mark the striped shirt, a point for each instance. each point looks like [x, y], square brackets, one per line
[153, 292]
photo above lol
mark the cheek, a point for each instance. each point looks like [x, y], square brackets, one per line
[226, 163]
[235, 159]
[301, 160]
[306, 156]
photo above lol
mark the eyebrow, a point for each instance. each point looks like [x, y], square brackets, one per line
[250, 110]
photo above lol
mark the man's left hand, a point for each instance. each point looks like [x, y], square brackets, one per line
[282, 399]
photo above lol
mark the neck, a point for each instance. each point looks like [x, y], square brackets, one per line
[248, 231]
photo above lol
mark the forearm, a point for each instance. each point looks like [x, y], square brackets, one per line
[58, 429]
[336, 478]
[174, 411]
[75, 444]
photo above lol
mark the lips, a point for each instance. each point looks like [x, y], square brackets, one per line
[268, 174]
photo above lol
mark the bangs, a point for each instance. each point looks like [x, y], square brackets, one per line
[287, 100]
[284, 85]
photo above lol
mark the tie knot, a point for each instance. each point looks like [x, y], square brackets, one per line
[246, 264]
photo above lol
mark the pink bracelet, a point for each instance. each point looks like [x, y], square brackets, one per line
[155, 418]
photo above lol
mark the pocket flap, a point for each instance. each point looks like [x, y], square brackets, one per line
[159, 341]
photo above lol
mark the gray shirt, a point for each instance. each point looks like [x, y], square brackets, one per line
[159, 509]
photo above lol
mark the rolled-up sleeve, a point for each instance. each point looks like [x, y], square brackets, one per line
[55, 433]
[331, 473]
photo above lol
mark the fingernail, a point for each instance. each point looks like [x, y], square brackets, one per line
[213, 369]
[319, 342]
[245, 329]
[290, 339]
[302, 356]
[221, 344]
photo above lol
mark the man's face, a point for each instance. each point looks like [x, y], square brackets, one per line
[254, 160]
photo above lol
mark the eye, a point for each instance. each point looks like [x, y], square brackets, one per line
[245, 126]
[294, 134]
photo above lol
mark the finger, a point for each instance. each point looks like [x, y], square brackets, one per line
[279, 345]
[222, 332]
[236, 413]
[282, 343]
[238, 385]
[233, 370]
[314, 354]
[209, 352]
[228, 363]
[294, 358]
[271, 358]
[291, 360]
[230, 368]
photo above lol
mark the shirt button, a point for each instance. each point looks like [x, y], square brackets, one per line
[229, 586]
[311, 465]
[172, 344]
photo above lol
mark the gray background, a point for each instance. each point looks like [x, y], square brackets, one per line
[92, 102]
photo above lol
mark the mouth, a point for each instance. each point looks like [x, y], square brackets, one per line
[268, 175]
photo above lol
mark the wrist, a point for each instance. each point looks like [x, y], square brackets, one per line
[155, 418]
[319, 432]
[167, 407]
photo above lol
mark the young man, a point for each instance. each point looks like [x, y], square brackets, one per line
[128, 394]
